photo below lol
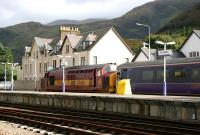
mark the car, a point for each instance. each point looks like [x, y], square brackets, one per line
[7, 85]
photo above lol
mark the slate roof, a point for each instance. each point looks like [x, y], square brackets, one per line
[197, 32]
[154, 54]
[74, 39]
[91, 38]
[159, 62]
[43, 43]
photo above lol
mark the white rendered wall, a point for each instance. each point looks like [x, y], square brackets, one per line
[141, 57]
[110, 49]
[192, 44]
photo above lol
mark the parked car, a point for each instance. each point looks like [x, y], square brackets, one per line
[7, 85]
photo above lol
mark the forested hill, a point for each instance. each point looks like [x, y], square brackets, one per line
[184, 22]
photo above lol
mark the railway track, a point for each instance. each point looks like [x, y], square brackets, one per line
[75, 122]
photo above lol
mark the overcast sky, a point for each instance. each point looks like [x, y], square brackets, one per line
[44, 11]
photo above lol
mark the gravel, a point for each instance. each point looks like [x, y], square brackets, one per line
[7, 128]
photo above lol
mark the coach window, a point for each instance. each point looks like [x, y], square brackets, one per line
[147, 75]
[159, 75]
[179, 74]
[195, 74]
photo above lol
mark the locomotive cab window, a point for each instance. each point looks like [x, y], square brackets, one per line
[51, 80]
[107, 69]
[98, 72]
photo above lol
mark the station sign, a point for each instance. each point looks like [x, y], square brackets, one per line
[165, 53]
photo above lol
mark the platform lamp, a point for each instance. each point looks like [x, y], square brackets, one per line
[149, 28]
[63, 64]
[4, 75]
[12, 69]
[165, 53]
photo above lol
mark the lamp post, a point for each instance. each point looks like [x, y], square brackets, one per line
[63, 64]
[140, 24]
[165, 53]
[4, 75]
[35, 74]
[12, 69]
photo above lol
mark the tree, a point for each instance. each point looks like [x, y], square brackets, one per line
[5, 56]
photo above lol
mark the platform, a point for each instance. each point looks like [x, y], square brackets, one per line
[168, 107]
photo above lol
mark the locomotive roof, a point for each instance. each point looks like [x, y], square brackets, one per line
[159, 62]
[85, 67]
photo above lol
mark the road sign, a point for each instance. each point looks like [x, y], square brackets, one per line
[165, 53]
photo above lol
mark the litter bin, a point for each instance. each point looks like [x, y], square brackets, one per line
[124, 87]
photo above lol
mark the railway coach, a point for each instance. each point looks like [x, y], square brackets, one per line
[89, 78]
[182, 76]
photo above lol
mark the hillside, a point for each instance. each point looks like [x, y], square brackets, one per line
[156, 14]
[65, 21]
[184, 22]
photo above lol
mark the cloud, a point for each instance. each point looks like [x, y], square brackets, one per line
[17, 11]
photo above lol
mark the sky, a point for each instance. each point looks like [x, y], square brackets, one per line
[18, 11]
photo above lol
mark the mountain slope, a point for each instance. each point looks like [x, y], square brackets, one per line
[65, 21]
[184, 22]
[156, 14]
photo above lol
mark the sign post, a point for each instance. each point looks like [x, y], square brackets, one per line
[165, 53]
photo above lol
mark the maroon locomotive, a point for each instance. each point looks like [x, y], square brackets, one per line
[91, 78]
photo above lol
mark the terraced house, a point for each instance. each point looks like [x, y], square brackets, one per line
[76, 48]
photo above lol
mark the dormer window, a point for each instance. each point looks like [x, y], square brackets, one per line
[194, 54]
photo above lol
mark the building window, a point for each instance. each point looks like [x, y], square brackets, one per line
[26, 69]
[40, 67]
[194, 54]
[45, 53]
[95, 59]
[45, 67]
[73, 60]
[54, 63]
[60, 62]
[37, 55]
[126, 59]
[67, 48]
[30, 68]
[82, 61]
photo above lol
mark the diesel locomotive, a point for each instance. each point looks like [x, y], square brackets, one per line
[182, 76]
[90, 78]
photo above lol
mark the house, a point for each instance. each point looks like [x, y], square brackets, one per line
[143, 55]
[191, 46]
[76, 49]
